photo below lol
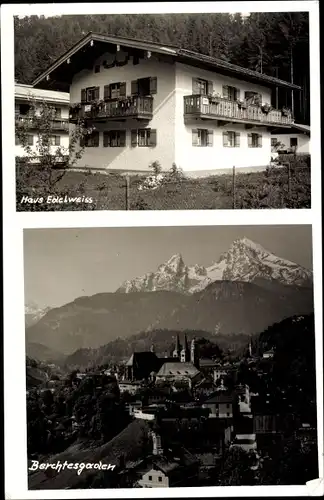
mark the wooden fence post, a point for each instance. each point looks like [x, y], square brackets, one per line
[127, 192]
[233, 188]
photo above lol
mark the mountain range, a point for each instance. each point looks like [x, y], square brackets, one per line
[244, 261]
[243, 293]
[34, 313]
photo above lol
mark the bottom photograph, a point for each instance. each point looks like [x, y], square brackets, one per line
[162, 357]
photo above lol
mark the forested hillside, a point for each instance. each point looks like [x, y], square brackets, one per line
[273, 43]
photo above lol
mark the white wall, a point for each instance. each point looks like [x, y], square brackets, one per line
[154, 483]
[132, 158]
[217, 157]
[303, 141]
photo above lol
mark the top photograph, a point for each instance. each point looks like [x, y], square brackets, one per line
[162, 111]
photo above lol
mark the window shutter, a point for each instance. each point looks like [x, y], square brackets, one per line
[250, 140]
[30, 140]
[134, 87]
[105, 139]
[209, 88]
[237, 94]
[57, 140]
[225, 139]
[210, 137]
[123, 138]
[106, 91]
[122, 89]
[96, 93]
[134, 138]
[83, 95]
[95, 139]
[195, 88]
[237, 139]
[195, 137]
[82, 141]
[153, 85]
[260, 141]
[225, 91]
[152, 141]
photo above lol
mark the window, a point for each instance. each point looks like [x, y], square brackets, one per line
[254, 140]
[144, 86]
[201, 87]
[115, 90]
[30, 140]
[231, 93]
[144, 137]
[253, 97]
[24, 109]
[58, 112]
[231, 139]
[160, 479]
[97, 68]
[150, 478]
[17, 141]
[293, 142]
[89, 94]
[202, 137]
[90, 140]
[274, 141]
[227, 406]
[54, 140]
[114, 138]
[228, 414]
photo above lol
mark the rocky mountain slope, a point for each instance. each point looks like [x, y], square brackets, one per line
[244, 261]
[34, 313]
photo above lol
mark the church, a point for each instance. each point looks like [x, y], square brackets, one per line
[184, 367]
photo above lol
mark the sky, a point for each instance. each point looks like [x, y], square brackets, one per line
[63, 264]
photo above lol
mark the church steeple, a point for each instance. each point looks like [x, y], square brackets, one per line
[185, 353]
[176, 352]
[193, 353]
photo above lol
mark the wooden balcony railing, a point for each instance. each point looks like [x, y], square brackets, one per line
[57, 123]
[199, 106]
[121, 108]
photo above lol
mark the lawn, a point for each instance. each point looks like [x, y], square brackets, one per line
[273, 188]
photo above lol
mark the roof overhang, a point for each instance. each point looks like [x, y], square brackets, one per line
[82, 55]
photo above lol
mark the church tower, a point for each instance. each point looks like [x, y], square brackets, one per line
[250, 349]
[185, 353]
[176, 352]
[193, 354]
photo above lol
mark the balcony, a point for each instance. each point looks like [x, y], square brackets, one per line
[140, 108]
[199, 106]
[57, 123]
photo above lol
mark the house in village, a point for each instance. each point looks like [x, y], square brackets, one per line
[26, 97]
[295, 139]
[151, 102]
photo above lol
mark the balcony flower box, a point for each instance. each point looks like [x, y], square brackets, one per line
[241, 104]
[214, 98]
[266, 108]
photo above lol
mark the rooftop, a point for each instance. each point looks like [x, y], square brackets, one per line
[178, 368]
[93, 45]
[25, 92]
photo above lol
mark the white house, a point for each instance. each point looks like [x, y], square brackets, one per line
[150, 102]
[296, 139]
[25, 97]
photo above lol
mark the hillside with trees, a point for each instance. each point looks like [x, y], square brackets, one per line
[275, 43]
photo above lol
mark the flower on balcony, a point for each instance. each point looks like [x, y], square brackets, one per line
[97, 105]
[241, 103]
[266, 108]
[285, 111]
[214, 98]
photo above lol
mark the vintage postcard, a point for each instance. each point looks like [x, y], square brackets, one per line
[159, 111]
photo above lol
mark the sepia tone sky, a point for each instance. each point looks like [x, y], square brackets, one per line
[63, 264]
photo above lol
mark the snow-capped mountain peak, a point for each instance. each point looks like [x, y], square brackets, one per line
[245, 260]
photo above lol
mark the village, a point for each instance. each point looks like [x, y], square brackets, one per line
[196, 411]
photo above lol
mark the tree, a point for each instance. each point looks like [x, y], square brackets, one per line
[40, 170]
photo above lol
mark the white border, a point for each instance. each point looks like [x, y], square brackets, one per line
[14, 338]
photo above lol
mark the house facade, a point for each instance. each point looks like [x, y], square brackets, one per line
[149, 102]
[26, 97]
[296, 139]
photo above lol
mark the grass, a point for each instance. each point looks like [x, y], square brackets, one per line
[272, 188]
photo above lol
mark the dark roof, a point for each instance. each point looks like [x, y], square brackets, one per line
[142, 357]
[178, 54]
[219, 398]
